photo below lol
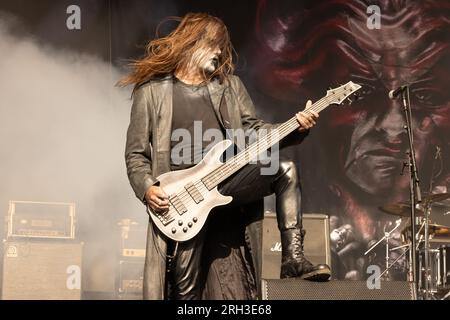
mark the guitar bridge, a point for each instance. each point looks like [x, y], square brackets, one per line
[165, 218]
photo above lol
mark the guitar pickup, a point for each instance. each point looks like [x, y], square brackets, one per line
[194, 193]
[177, 204]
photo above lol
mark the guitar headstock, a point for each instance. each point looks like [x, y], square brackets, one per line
[340, 94]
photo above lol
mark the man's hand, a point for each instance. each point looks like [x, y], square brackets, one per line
[157, 199]
[307, 118]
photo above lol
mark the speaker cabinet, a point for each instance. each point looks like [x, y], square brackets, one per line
[292, 289]
[41, 269]
[131, 275]
[316, 244]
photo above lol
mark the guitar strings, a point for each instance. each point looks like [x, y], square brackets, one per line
[283, 130]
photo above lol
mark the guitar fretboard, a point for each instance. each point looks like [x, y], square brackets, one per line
[251, 153]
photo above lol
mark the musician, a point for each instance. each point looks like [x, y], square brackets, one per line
[186, 77]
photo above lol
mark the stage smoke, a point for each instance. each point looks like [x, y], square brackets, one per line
[62, 131]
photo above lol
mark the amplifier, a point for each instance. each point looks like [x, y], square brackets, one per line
[41, 269]
[133, 238]
[316, 244]
[29, 219]
[131, 275]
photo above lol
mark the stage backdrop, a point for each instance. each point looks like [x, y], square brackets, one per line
[63, 122]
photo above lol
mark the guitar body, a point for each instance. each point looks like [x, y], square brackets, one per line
[188, 224]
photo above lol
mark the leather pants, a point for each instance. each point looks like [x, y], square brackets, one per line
[245, 186]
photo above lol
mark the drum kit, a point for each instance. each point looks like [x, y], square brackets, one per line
[432, 245]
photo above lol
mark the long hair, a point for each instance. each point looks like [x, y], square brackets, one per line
[168, 54]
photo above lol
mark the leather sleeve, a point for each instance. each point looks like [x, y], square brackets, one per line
[250, 121]
[138, 156]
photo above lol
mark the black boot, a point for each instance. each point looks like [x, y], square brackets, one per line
[289, 216]
[294, 264]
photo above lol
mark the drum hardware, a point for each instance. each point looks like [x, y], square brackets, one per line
[434, 276]
[438, 273]
[431, 276]
[431, 271]
[399, 247]
[444, 266]
[444, 255]
[428, 199]
[447, 295]
[421, 274]
[408, 246]
[386, 237]
[433, 279]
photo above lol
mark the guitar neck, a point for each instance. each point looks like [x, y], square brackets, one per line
[251, 153]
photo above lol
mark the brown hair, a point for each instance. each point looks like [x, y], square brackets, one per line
[167, 54]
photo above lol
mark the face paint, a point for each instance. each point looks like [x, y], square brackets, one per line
[206, 59]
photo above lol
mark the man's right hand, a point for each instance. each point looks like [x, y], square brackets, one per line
[157, 199]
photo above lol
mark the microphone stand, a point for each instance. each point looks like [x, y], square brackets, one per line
[415, 195]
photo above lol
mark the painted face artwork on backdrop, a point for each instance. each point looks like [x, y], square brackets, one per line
[304, 48]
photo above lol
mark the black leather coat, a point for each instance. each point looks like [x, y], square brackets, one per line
[147, 156]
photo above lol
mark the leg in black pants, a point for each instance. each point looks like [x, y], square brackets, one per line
[246, 186]
[249, 185]
[184, 275]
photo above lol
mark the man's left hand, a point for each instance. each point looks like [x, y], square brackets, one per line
[307, 118]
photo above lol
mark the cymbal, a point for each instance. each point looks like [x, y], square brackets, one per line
[436, 230]
[400, 209]
[435, 197]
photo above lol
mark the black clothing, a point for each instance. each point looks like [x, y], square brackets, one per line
[245, 186]
[198, 128]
